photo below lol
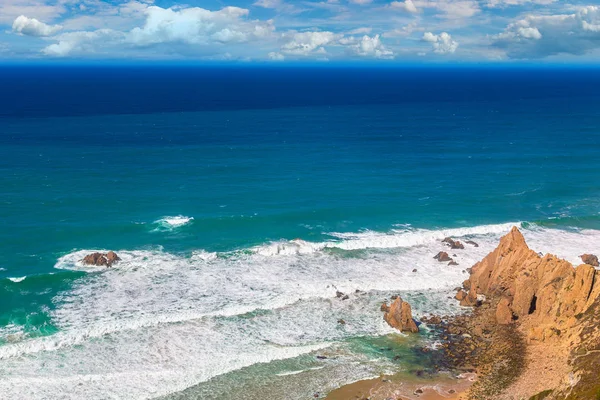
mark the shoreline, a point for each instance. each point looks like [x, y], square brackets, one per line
[439, 386]
[532, 333]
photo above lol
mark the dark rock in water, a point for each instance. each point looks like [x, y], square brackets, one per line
[452, 263]
[341, 322]
[112, 257]
[415, 270]
[346, 297]
[99, 259]
[339, 294]
[454, 244]
[472, 243]
[590, 259]
[442, 256]
[322, 357]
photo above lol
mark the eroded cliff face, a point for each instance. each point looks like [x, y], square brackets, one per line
[544, 294]
[554, 305]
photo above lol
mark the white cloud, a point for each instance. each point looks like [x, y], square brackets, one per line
[268, 3]
[39, 9]
[361, 2]
[274, 56]
[305, 43]
[199, 26]
[538, 36]
[360, 31]
[403, 31]
[449, 9]
[368, 46]
[32, 27]
[82, 42]
[442, 43]
[506, 3]
[406, 5]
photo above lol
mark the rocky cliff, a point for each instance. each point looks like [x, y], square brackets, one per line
[550, 303]
[542, 293]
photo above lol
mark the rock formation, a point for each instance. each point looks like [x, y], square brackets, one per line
[548, 302]
[590, 259]
[399, 315]
[100, 259]
[454, 244]
[472, 243]
[546, 292]
[442, 256]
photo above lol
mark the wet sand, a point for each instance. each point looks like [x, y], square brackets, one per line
[406, 387]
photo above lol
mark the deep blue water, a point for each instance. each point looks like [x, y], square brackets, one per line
[100, 158]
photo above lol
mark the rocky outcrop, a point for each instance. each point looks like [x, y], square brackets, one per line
[590, 259]
[101, 259]
[454, 244]
[399, 316]
[543, 292]
[442, 256]
[541, 305]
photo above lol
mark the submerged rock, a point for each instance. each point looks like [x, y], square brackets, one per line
[399, 316]
[472, 243]
[100, 259]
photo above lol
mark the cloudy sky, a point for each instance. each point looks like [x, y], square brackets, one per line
[281, 31]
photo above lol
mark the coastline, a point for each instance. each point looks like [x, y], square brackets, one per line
[532, 333]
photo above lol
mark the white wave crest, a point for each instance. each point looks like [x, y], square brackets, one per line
[18, 279]
[397, 238]
[173, 222]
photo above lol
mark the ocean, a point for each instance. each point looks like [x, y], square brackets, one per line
[242, 198]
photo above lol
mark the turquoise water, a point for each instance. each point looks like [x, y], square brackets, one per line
[237, 224]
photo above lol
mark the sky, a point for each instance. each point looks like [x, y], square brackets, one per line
[288, 31]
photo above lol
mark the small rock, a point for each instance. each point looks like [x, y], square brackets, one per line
[322, 357]
[461, 295]
[99, 259]
[472, 243]
[590, 259]
[384, 307]
[419, 391]
[452, 263]
[339, 294]
[454, 244]
[442, 256]
[341, 322]
[415, 270]
[346, 297]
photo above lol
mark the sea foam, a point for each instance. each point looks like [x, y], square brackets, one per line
[159, 322]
